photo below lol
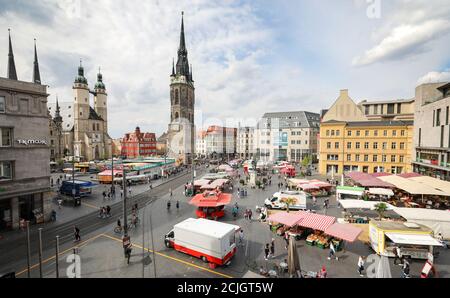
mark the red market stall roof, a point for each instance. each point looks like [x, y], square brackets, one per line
[288, 219]
[308, 186]
[211, 199]
[367, 180]
[320, 183]
[381, 174]
[345, 232]
[316, 221]
[304, 219]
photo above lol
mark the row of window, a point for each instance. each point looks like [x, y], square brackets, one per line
[2, 104]
[357, 133]
[384, 145]
[368, 158]
[390, 109]
[5, 137]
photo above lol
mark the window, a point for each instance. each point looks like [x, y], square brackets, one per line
[375, 109]
[438, 117]
[5, 170]
[293, 133]
[384, 146]
[336, 145]
[402, 158]
[349, 145]
[93, 126]
[366, 133]
[446, 116]
[299, 142]
[338, 132]
[366, 145]
[349, 157]
[420, 136]
[393, 158]
[2, 104]
[292, 142]
[375, 158]
[399, 108]
[5, 137]
[375, 145]
[394, 145]
[366, 110]
[358, 145]
[358, 133]
[394, 133]
[366, 158]
[442, 136]
[390, 108]
[402, 132]
[328, 145]
[383, 158]
[385, 133]
[357, 157]
[349, 133]
[332, 132]
[402, 146]
[375, 133]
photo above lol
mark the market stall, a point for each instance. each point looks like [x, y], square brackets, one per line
[211, 204]
[349, 192]
[414, 240]
[437, 220]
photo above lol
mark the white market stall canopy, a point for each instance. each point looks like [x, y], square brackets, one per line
[381, 191]
[413, 187]
[413, 239]
[361, 204]
[348, 190]
[437, 220]
[433, 182]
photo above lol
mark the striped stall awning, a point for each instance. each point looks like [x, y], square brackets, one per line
[345, 232]
[316, 221]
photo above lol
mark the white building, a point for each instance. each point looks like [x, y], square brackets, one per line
[245, 144]
[200, 144]
[289, 136]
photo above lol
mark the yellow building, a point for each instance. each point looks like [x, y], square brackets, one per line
[351, 142]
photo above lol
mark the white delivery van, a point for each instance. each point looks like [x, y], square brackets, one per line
[212, 241]
[276, 202]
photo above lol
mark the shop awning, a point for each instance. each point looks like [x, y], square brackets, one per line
[381, 191]
[344, 231]
[289, 219]
[308, 186]
[211, 199]
[413, 239]
[348, 190]
[316, 221]
[433, 182]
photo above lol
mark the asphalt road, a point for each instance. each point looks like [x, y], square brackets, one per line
[14, 251]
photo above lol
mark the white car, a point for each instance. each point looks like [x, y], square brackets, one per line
[276, 202]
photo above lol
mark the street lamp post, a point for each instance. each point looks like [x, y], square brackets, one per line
[143, 238]
[28, 250]
[125, 222]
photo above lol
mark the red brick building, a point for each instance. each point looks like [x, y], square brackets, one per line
[138, 144]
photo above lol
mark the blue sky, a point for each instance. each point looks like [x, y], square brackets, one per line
[249, 57]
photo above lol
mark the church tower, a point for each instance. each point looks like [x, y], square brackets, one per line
[101, 100]
[182, 102]
[81, 111]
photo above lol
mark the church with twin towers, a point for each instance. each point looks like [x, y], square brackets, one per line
[181, 133]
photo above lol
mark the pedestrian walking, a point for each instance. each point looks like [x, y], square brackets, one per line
[286, 239]
[314, 201]
[121, 193]
[250, 214]
[60, 203]
[129, 191]
[108, 211]
[170, 192]
[178, 205]
[266, 251]
[361, 262]
[241, 237]
[246, 214]
[128, 253]
[77, 234]
[168, 205]
[272, 248]
[405, 269]
[397, 255]
[332, 252]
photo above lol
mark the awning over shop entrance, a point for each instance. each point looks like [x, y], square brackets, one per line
[413, 239]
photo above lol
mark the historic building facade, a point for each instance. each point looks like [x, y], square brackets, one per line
[84, 128]
[181, 133]
[24, 148]
[245, 143]
[369, 137]
[138, 144]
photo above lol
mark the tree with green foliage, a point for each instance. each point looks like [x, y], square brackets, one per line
[381, 208]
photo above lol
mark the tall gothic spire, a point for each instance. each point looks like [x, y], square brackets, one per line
[182, 63]
[36, 73]
[57, 118]
[173, 68]
[12, 74]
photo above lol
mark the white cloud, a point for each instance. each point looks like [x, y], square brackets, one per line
[435, 77]
[408, 29]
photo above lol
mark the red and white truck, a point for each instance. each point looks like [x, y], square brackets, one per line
[212, 241]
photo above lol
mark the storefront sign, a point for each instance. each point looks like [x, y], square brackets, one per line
[32, 142]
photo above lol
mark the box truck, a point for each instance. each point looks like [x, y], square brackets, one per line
[278, 198]
[211, 241]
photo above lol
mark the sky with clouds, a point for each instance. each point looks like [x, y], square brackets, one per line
[249, 57]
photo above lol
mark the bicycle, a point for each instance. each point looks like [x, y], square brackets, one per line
[118, 229]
